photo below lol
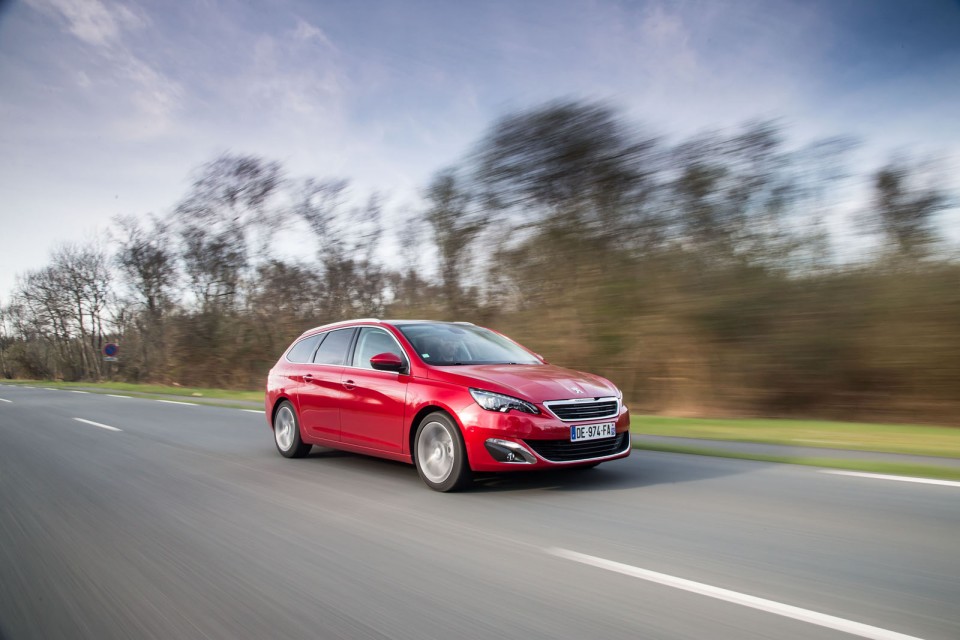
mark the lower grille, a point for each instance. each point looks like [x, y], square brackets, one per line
[566, 451]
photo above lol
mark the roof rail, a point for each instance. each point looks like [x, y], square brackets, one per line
[338, 322]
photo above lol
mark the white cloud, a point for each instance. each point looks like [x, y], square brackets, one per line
[92, 21]
[106, 27]
[298, 72]
[156, 97]
[666, 40]
[307, 31]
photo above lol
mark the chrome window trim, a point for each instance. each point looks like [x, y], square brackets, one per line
[550, 403]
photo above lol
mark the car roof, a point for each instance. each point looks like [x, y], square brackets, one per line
[349, 323]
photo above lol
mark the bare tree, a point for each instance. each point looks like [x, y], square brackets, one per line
[319, 203]
[147, 261]
[63, 307]
[367, 285]
[455, 225]
[83, 275]
[563, 155]
[231, 204]
[348, 240]
[6, 340]
[905, 208]
[572, 183]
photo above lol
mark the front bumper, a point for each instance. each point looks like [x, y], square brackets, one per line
[516, 441]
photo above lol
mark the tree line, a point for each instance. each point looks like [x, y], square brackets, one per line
[704, 276]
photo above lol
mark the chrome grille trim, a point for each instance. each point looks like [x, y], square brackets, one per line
[586, 406]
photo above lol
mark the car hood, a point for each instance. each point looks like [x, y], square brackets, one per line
[536, 382]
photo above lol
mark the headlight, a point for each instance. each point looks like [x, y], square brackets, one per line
[498, 402]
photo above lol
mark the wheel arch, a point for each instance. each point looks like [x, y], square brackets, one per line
[276, 405]
[420, 415]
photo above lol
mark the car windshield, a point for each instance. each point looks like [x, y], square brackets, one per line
[450, 344]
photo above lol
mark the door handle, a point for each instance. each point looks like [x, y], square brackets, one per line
[308, 377]
[349, 384]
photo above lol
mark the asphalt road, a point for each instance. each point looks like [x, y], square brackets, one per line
[186, 523]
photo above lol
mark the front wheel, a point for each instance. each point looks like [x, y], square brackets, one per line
[286, 432]
[440, 455]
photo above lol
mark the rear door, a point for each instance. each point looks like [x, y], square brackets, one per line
[373, 406]
[289, 371]
[321, 392]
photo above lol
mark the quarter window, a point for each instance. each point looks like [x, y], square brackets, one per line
[303, 350]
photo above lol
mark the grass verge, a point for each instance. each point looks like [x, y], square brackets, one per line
[198, 394]
[887, 438]
[871, 466]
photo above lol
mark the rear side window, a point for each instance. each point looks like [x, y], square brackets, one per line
[334, 348]
[303, 350]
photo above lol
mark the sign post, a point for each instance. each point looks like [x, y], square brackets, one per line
[110, 352]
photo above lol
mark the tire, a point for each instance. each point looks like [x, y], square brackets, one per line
[286, 432]
[440, 455]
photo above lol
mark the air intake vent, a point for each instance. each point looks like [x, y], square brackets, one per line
[566, 451]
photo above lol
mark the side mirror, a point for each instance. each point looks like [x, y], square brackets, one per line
[387, 362]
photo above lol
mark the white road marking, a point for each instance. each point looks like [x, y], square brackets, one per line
[753, 602]
[97, 424]
[5, 400]
[253, 411]
[189, 404]
[882, 476]
[75, 391]
[50, 389]
[113, 395]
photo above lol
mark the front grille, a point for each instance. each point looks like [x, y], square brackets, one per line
[569, 411]
[566, 451]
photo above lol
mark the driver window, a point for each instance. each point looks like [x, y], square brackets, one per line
[371, 342]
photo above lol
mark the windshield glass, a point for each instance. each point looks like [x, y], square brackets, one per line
[449, 344]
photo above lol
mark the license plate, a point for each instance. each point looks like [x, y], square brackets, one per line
[581, 432]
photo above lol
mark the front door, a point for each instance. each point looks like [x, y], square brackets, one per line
[372, 412]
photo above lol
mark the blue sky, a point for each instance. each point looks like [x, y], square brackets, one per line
[108, 105]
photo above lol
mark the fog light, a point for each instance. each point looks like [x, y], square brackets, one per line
[510, 452]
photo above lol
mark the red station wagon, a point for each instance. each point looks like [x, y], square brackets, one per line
[450, 397]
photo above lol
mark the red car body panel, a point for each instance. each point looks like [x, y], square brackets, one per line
[319, 394]
[377, 412]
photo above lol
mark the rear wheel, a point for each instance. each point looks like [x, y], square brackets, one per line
[286, 432]
[440, 455]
